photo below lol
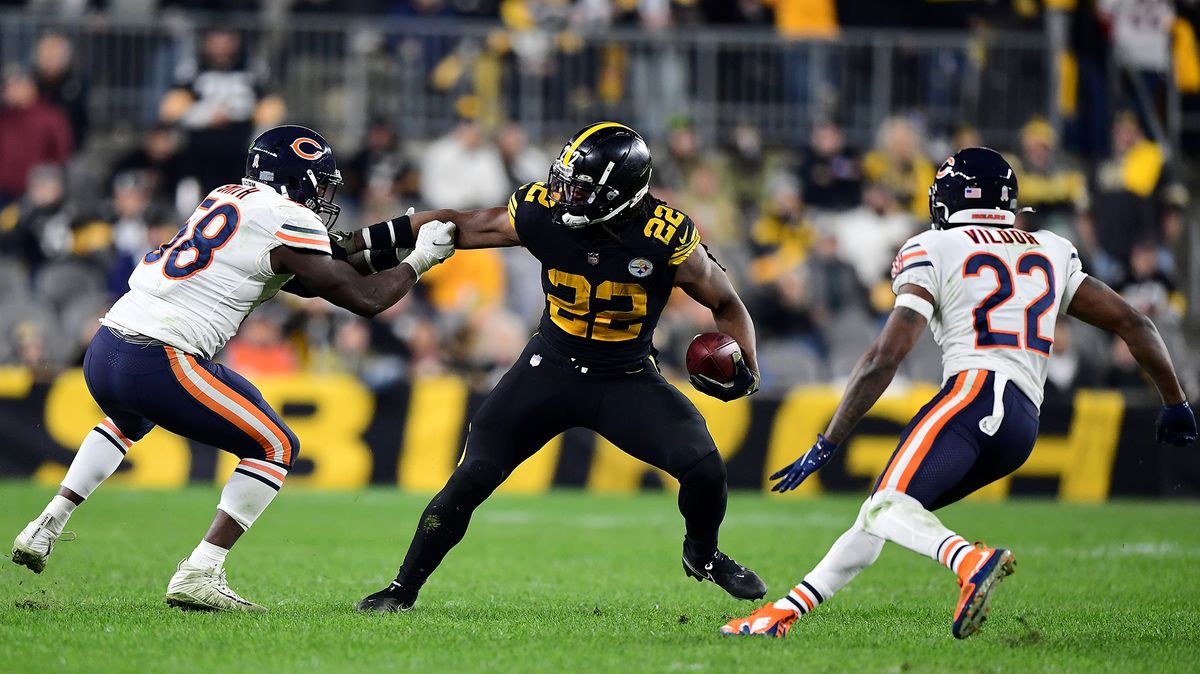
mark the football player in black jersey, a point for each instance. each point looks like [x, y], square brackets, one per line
[611, 254]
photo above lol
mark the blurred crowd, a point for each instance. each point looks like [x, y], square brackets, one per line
[792, 17]
[807, 230]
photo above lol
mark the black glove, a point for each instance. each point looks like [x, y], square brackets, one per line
[745, 382]
[1176, 425]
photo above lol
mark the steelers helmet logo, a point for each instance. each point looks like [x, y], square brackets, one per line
[640, 267]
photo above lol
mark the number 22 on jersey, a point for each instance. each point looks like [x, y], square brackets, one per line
[192, 249]
[987, 335]
[579, 317]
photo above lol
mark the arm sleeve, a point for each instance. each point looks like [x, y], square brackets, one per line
[301, 228]
[1074, 278]
[914, 264]
[687, 238]
[390, 234]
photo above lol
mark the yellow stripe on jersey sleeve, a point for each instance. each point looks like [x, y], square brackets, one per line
[512, 210]
[685, 247]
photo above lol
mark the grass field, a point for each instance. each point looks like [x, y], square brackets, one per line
[571, 582]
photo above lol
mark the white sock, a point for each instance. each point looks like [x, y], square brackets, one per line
[98, 457]
[59, 509]
[902, 520]
[246, 495]
[250, 490]
[852, 552]
[206, 555]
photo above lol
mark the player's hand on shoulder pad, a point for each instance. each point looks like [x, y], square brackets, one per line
[1176, 425]
[791, 476]
[435, 244]
[744, 383]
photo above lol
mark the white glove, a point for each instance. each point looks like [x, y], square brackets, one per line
[435, 244]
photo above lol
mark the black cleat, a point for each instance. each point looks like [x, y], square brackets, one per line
[391, 599]
[730, 576]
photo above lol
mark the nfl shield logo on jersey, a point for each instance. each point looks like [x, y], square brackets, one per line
[640, 267]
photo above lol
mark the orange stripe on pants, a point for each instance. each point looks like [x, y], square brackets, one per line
[959, 379]
[207, 400]
[931, 436]
[249, 407]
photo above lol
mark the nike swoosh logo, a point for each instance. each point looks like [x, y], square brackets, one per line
[707, 571]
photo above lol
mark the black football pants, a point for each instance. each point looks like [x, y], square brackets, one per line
[545, 394]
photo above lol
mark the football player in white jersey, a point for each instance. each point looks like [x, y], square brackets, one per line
[150, 364]
[991, 295]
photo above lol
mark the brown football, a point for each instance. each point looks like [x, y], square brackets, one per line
[711, 354]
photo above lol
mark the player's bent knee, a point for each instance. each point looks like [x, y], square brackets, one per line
[708, 470]
[885, 501]
[476, 479]
[294, 444]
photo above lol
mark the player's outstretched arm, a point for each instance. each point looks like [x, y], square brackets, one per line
[870, 378]
[875, 370]
[485, 228]
[340, 283]
[1096, 303]
[703, 279]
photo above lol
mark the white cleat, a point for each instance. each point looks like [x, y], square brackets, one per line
[34, 544]
[193, 588]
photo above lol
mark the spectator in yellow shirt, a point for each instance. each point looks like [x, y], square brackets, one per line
[805, 18]
[1050, 184]
[898, 163]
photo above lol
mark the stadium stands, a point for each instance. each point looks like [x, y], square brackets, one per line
[803, 159]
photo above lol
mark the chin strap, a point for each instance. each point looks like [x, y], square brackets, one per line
[575, 221]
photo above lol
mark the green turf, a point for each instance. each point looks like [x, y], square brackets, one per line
[572, 582]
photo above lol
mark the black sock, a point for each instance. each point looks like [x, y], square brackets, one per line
[441, 527]
[702, 496]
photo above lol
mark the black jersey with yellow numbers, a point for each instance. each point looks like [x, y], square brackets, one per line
[605, 284]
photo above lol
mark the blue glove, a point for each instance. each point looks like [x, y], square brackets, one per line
[808, 464]
[1176, 425]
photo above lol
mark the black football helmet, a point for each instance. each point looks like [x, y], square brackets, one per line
[603, 170]
[298, 163]
[974, 186]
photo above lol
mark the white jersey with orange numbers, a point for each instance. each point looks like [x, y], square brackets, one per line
[997, 294]
[194, 291]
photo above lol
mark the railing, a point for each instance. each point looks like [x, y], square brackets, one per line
[339, 72]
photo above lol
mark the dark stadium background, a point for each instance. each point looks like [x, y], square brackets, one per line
[800, 134]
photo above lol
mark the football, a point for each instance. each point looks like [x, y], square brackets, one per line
[712, 354]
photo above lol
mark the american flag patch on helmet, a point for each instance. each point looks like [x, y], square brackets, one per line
[972, 193]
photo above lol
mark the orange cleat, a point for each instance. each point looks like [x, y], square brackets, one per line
[767, 621]
[978, 575]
